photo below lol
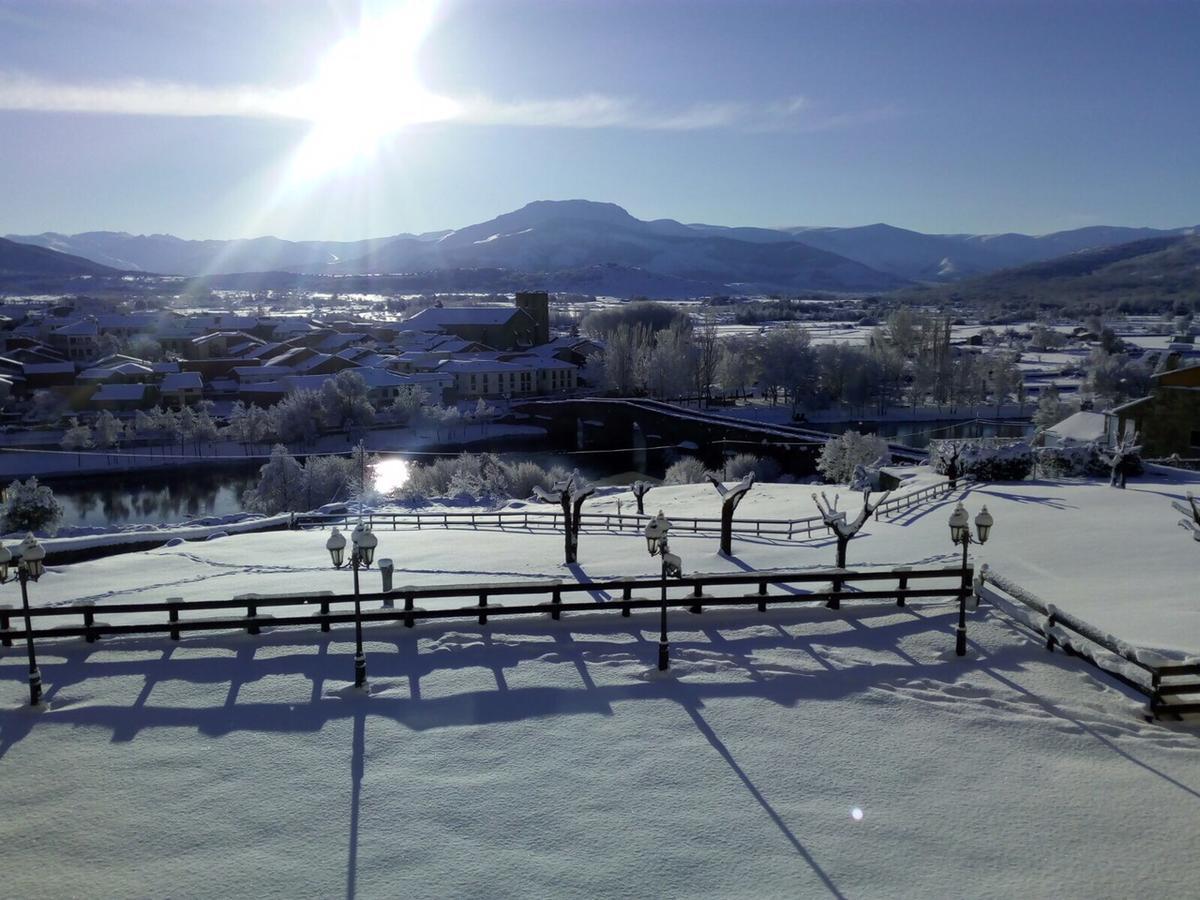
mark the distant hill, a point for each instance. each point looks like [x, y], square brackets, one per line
[17, 259]
[574, 236]
[1145, 275]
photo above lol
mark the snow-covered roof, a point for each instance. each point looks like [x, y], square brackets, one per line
[119, 392]
[1083, 427]
[183, 381]
[436, 317]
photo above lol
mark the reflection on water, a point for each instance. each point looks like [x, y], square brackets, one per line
[154, 497]
[157, 497]
[390, 474]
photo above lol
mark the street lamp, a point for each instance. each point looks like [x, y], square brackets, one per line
[960, 533]
[363, 543]
[29, 564]
[656, 545]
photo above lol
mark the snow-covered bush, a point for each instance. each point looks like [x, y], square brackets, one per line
[29, 506]
[842, 454]
[477, 476]
[764, 468]
[688, 470]
[1072, 461]
[987, 459]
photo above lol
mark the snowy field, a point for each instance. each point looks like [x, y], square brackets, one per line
[798, 752]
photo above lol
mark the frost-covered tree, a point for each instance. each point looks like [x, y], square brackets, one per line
[78, 436]
[281, 484]
[109, 431]
[29, 506]
[688, 470]
[845, 529]
[842, 454]
[1050, 408]
[344, 401]
[297, 417]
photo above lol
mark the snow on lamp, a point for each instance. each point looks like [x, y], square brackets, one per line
[959, 524]
[983, 524]
[32, 556]
[336, 545]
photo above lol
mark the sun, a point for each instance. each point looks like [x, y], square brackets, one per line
[366, 89]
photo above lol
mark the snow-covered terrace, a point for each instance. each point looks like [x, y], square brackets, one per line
[797, 752]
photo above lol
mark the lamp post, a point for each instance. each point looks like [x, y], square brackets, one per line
[362, 552]
[29, 565]
[656, 544]
[960, 533]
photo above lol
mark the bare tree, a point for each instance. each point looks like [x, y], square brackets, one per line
[1122, 457]
[569, 494]
[730, 498]
[640, 489]
[844, 530]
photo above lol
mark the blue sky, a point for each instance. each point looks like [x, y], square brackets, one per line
[224, 118]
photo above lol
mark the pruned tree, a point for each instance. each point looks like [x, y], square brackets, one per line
[569, 494]
[1122, 458]
[1192, 510]
[845, 529]
[640, 489]
[950, 454]
[730, 498]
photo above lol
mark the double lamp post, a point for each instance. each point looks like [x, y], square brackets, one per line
[29, 563]
[960, 533]
[363, 544]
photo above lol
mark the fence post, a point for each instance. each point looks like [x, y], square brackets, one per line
[1155, 695]
[556, 600]
[697, 593]
[89, 620]
[173, 604]
[386, 570]
[324, 615]
[903, 588]
[408, 609]
[1049, 632]
[835, 602]
[626, 594]
[762, 592]
[483, 609]
[4, 622]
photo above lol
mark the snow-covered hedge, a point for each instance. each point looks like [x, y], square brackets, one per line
[1072, 461]
[688, 470]
[987, 459]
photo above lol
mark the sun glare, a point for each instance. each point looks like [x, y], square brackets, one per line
[390, 474]
[367, 89]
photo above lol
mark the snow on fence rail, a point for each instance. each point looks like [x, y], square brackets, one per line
[785, 528]
[42, 622]
[912, 498]
[1158, 677]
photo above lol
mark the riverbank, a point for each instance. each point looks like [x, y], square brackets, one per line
[22, 462]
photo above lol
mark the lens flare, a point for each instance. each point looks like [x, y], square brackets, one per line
[390, 475]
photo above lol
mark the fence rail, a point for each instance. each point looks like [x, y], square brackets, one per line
[789, 529]
[912, 498]
[1158, 678]
[521, 519]
[690, 592]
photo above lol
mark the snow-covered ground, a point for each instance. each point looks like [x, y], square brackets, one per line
[798, 752]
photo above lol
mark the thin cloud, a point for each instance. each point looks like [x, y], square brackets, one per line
[592, 111]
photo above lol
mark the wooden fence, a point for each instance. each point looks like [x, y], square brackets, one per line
[914, 498]
[550, 520]
[790, 529]
[1172, 686]
[692, 592]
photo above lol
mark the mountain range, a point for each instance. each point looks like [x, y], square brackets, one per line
[563, 241]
